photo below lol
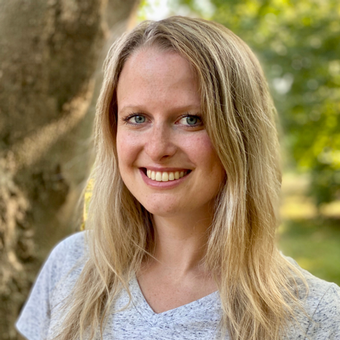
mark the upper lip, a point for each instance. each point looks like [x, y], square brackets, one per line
[158, 169]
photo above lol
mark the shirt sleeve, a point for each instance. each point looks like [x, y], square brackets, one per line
[325, 323]
[35, 319]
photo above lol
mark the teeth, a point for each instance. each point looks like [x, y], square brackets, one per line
[153, 175]
[165, 176]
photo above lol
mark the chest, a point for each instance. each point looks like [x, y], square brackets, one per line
[198, 319]
[163, 295]
[135, 319]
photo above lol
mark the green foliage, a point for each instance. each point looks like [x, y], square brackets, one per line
[298, 43]
[142, 10]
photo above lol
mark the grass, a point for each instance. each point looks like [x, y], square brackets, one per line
[314, 244]
[313, 240]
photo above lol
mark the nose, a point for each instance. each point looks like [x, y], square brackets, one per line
[160, 143]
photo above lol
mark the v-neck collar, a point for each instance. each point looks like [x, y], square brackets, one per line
[208, 302]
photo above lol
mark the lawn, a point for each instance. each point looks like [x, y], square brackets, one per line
[314, 244]
[312, 238]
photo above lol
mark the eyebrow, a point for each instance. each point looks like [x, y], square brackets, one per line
[141, 108]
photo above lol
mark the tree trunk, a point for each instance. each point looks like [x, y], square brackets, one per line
[49, 52]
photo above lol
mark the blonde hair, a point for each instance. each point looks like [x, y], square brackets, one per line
[254, 280]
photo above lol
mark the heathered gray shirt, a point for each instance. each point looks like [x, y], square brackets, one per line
[40, 318]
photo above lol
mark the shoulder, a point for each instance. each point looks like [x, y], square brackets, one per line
[72, 246]
[66, 255]
[318, 289]
[54, 283]
[321, 304]
[67, 258]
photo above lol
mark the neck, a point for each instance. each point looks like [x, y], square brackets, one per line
[180, 242]
[175, 275]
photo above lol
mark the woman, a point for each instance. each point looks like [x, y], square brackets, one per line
[184, 208]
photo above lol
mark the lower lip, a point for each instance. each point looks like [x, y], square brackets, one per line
[162, 185]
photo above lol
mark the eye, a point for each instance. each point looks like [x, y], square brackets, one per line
[135, 119]
[191, 121]
[138, 119]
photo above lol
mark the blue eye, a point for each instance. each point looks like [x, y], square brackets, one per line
[138, 119]
[191, 121]
[135, 119]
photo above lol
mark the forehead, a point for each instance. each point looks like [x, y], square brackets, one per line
[154, 61]
[152, 75]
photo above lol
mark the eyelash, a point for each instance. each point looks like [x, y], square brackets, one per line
[127, 119]
[188, 115]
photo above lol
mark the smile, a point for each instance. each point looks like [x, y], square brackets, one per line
[165, 176]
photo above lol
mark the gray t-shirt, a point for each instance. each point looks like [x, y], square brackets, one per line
[41, 318]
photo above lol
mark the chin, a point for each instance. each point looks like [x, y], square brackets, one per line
[163, 211]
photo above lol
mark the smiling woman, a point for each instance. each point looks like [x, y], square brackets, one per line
[160, 130]
[181, 227]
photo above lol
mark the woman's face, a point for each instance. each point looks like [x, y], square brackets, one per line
[166, 158]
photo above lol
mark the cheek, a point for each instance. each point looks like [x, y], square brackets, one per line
[203, 152]
[127, 148]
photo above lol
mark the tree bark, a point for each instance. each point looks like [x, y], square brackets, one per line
[49, 53]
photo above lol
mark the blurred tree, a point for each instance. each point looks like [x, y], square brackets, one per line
[49, 51]
[298, 43]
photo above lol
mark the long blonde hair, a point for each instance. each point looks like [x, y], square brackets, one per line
[255, 284]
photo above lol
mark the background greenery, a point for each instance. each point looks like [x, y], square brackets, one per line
[298, 44]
